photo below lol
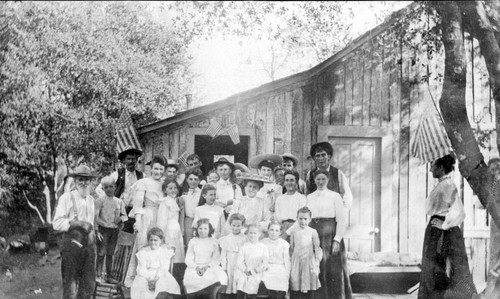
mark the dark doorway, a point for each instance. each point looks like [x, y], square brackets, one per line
[207, 148]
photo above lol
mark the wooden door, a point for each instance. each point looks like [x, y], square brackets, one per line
[360, 160]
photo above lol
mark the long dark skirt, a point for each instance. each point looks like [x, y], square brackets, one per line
[333, 276]
[440, 245]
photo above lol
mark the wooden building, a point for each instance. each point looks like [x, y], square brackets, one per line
[366, 100]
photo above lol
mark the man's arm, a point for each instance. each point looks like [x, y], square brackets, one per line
[345, 190]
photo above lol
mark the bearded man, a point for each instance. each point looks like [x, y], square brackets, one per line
[75, 217]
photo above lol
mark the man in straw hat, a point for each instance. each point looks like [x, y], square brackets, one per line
[125, 178]
[337, 181]
[290, 162]
[74, 216]
[227, 192]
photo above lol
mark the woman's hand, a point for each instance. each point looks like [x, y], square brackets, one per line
[437, 223]
[335, 247]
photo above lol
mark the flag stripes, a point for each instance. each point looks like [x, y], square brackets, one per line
[431, 141]
[183, 158]
[214, 129]
[234, 134]
[126, 136]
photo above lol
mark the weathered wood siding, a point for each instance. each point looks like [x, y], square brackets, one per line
[378, 83]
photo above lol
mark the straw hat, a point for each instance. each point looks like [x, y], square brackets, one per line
[291, 157]
[242, 167]
[82, 171]
[255, 177]
[270, 158]
[129, 150]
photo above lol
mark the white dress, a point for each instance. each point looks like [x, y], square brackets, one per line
[252, 257]
[255, 212]
[214, 213]
[278, 274]
[168, 221]
[203, 252]
[153, 264]
[230, 246]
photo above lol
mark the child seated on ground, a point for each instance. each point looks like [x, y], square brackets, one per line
[153, 263]
[253, 259]
[306, 256]
[278, 274]
[109, 218]
[202, 261]
[230, 246]
[208, 210]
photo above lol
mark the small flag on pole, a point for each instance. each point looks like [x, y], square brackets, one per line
[234, 134]
[126, 136]
[430, 141]
[214, 129]
[183, 158]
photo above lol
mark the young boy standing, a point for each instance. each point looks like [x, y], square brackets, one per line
[109, 218]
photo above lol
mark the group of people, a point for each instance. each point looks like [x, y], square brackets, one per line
[238, 232]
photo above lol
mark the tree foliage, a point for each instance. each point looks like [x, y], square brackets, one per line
[66, 73]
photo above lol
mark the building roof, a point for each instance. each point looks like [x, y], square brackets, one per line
[298, 79]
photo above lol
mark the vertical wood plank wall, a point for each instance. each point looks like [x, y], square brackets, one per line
[377, 84]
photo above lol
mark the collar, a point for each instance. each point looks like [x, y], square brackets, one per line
[225, 182]
[445, 177]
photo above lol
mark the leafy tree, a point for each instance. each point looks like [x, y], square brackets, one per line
[67, 72]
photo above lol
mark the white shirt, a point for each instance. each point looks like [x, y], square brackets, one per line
[130, 180]
[345, 190]
[443, 201]
[287, 206]
[191, 200]
[328, 204]
[65, 212]
[225, 191]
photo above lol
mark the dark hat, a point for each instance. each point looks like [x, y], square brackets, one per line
[291, 157]
[82, 171]
[242, 167]
[129, 151]
[325, 145]
[224, 161]
[268, 160]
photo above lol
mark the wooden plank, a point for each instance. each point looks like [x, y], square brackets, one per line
[260, 129]
[269, 149]
[367, 84]
[250, 115]
[325, 96]
[375, 101]
[182, 139]
[166, 147]
[384, 85]
[348, 90]
[337, 110]
[316, 116]
[287, 120]
[307, 121]
[297, 129]
[279, 124]
[174, 142]
[357, 90]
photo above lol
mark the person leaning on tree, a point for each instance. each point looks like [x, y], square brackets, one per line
[125, 177]
[74, 216]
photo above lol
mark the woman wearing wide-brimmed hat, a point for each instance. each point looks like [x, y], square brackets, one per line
[240, 170]
[265, 164]
[251, 206]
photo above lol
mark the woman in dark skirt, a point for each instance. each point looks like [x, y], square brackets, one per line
[329, 218]
[445, 269]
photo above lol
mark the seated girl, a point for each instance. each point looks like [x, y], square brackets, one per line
[202, 261]
[153, 263]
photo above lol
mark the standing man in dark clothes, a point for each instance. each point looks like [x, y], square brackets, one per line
[125, 178]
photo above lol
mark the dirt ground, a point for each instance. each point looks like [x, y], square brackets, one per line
[33, 275]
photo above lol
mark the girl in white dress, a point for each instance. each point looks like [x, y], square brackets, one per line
[230, 246]
[202, 261]
[169, 219]
[153, 263]
[306, 257]
[253, 260]
[209, 210]
[277, 276]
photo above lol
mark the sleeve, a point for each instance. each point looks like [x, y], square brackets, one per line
[142, 269]
[182, 214]
[62, 215]
[292, 228]
[215, 255]
[286, 256]
[345, 190]
[265, 218]
[240, 260]
[196, 216]
[318, 252]
[456, 213]
[223, 255]
[123, 212]
[265, 260]
[97, 209]
[237, 192]
[220, 227]
[341, 218]
[138, 199]
[292, 244]
[189, 260]
[308, 182]
[165, 267]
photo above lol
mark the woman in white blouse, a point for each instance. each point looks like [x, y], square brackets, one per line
[329, 218]
[289, 203]
[443, 242]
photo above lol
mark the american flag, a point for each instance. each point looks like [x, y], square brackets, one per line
[183, 157]
[214, 128]
[234, 134]
[126, 136]
[431, 141]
